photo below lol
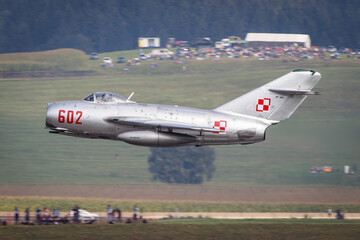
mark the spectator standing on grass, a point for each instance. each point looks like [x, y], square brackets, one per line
[136, 212]
[27, 216]
[46, 215]
[339, 215]
[118, 211]
[38, 215]
[55, 213]
[183, 68]
[329, 212]
[110, 214]
[16, 212]
[76, 214]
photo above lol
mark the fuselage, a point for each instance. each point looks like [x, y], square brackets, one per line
[94, 120]
[243, 120]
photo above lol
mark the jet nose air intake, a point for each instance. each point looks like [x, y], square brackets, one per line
[49, 115]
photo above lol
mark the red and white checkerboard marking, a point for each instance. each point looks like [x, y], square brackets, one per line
[263, 105]
[221, 125]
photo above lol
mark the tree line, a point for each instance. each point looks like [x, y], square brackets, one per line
[111, 25]
[185, 165]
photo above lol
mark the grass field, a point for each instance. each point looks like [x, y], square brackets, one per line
[55, 60]
[293, 229]
[324, 130]
[99, 205]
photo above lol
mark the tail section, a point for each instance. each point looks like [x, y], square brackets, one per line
[276, 100]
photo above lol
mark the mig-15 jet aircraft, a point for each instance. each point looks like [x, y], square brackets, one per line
[243, 120]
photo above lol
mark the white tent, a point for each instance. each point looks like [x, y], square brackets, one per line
[149, 42]
[277, 39]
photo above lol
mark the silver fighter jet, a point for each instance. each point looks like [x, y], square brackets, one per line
[243, 120]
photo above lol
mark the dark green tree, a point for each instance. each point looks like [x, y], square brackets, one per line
[102, 26]
[186, 165]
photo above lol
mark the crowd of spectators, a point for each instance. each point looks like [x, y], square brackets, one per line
[288, 53]
[44, 216]
[292, 53]
[75, 215]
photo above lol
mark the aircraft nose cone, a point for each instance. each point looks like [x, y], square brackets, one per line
[49, 116]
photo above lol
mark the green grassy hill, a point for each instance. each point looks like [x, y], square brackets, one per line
[57, 60]
[323, 131]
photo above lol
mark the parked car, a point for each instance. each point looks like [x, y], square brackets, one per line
[143, 56]
[84, 216]
[331, 49]
[107, 62]
[121, 60]
[161, 53]
[94, 56]
[345, 50]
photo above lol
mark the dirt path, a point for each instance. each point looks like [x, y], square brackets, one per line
[214, 215]
[160, 192]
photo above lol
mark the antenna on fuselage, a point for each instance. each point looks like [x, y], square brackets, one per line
[128, 100]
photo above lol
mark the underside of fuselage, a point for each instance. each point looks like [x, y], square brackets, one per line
[160, 139]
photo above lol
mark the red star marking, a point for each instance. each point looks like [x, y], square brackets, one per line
[263, 105]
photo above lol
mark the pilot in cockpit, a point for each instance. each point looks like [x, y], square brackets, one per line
[104, 97]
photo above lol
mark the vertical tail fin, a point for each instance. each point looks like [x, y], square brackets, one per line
[276, 100]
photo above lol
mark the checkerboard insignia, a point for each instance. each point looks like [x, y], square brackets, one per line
[221, 125]
[263, 105]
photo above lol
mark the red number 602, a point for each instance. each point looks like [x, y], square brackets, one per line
[69, 117]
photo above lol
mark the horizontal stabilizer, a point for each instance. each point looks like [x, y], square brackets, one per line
[293, 91]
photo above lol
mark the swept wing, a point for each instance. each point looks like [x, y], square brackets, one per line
[143, 122]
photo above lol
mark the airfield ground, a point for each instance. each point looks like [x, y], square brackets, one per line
[192, 229]
[323, 132]
[38, 169]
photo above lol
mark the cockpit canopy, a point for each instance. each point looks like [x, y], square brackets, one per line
[105, 97]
